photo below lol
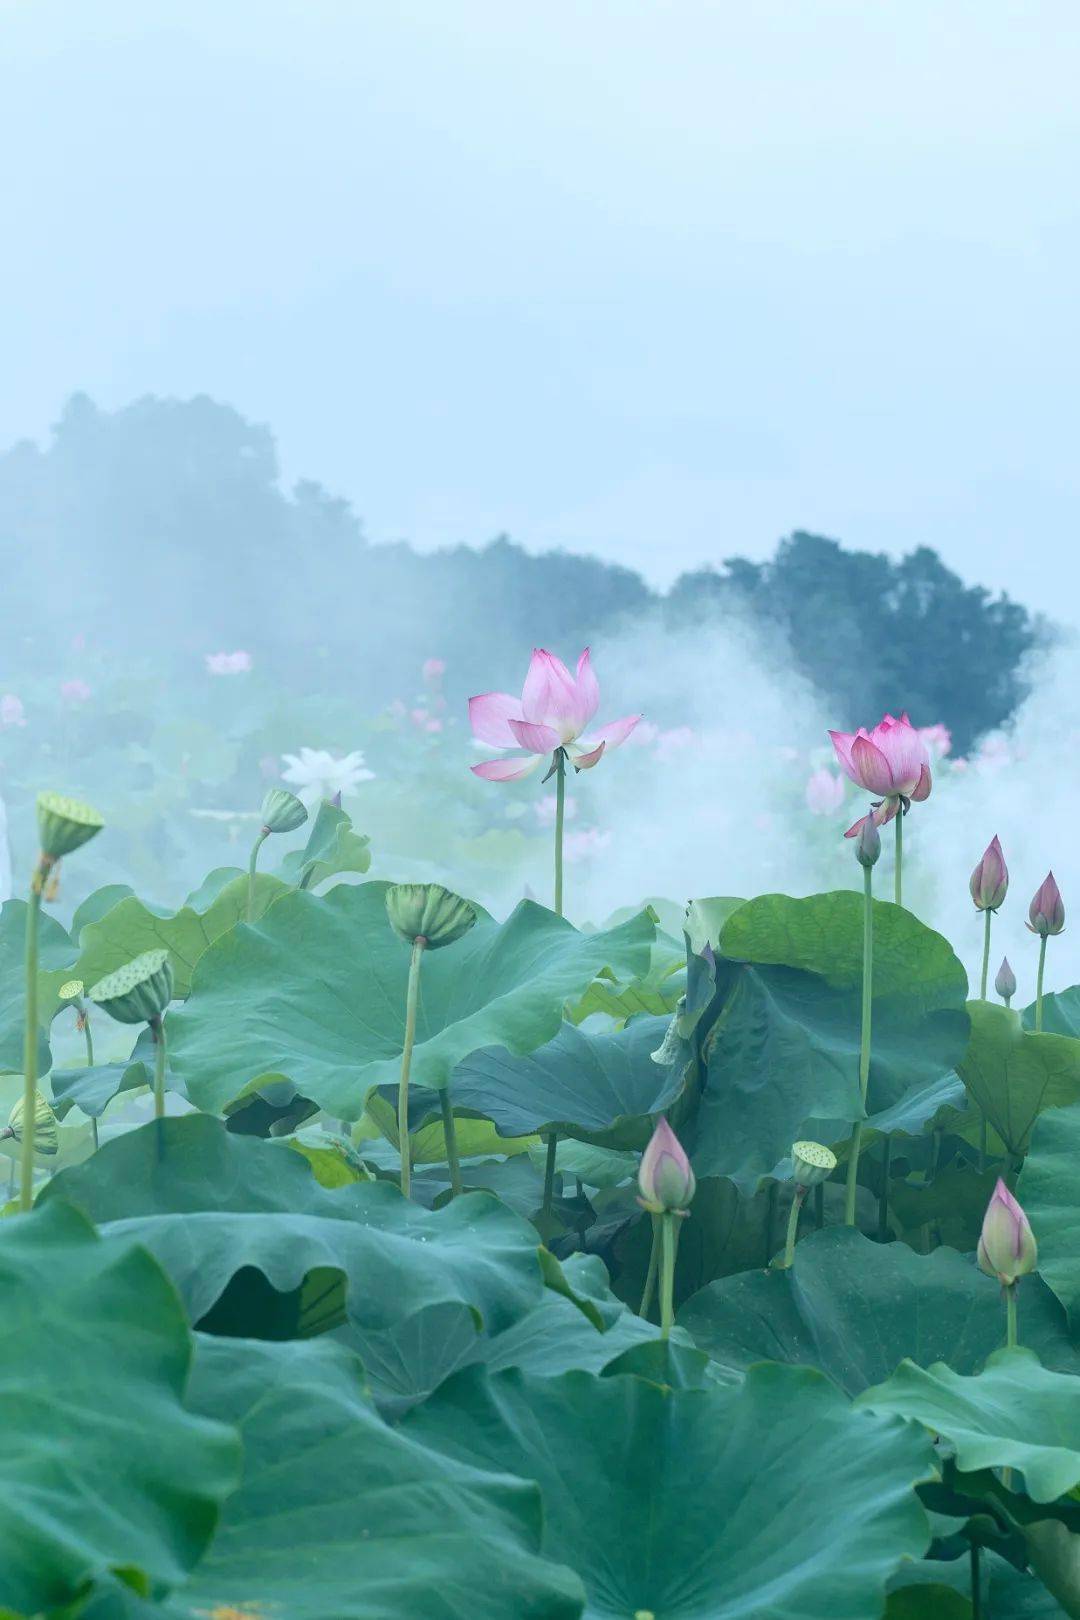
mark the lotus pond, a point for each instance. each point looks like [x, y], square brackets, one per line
[371, 1257]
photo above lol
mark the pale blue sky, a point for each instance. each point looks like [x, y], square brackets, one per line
[660, 280]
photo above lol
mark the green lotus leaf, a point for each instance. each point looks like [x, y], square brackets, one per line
[316, 991]
[781, 1040]
[1050, 1196]
[131, 927]
[1013, 1074]
[332, 848]
[685, 1503]
[1061, 1012]
[93, 1089]
[1014, 1414]
[56, 955]
[855, 1309]
[339, 1517]
[88, 1324]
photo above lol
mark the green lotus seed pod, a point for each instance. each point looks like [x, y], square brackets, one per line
[72, 990]
[65, 824]
[282, 811]
[812, 1163]
[429, 912]
[138, 992]
[46, 1135]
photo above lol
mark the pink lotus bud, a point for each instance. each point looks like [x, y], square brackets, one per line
[990, 879]
[867, 843]
[1046, 914]
[824, 793]
[1007, 1247]
[665, 1178]
[1005, 983]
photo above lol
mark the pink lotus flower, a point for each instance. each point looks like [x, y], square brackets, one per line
[433, 669]
[552, 713]
[665, 1179]
[990, 880]
[891, 761]
[1046, 914]
[824, 792]
[1007, 1247]
[75, 691]
[938, 740]
[234, 663]
[12, 712]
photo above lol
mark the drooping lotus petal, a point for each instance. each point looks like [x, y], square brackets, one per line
[586, 761]
[614, 733]
[536, 738]
[588, 688]
[871, 767]
[489, 717]
[511, 769]
[1007, 1248]
[921, 790]
[884, 813]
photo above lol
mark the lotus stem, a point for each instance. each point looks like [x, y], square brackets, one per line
[450, 1133]
[668, 1244]
[650, 1275]
[157, 1029]
[898, 876]
[30, 1041]
[819, 1206]
[976, 1582]
[84, 1020]
[549, 1173]
[560, 814]
[986, 954]
[883, 1195]
[1010, 1316]
[864, 1034]
[793, 1226]
[252, 865]
[1039, 983]
[412, 999]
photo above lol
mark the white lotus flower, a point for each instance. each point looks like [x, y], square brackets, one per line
[316, 774]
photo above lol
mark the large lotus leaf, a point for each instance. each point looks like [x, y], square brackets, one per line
[339, 1517]
[654, 994]
[1013, 1074]
[258, 1248]
[695, 1503]
[131, 927]
[856, 1309]
[101, 1467]
[1050, 1193]
[56, 953]
[704, 921]
[1007, 1593]
[782, 1053]
[93, 1089]
[1014, 1414]
[332, 847]
[1061, 1012]
[102, 900]
[600, 1088]
[316, 991]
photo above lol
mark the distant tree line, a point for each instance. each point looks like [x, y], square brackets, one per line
[163, 527]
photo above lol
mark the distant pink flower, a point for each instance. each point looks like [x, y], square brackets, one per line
[582, 845]
[433, 669]
[824, 792]
[398, 709]
[890, 761]
[545, 809]
[234, 663]
[553, 711]
[12, 712]
[75, 691]
[938, 740]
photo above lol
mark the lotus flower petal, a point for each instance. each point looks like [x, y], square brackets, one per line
[614, 734]
[510, 769]
[585, 760]
[588, 689]
[536, 738]
[871, 767]
[490, 715]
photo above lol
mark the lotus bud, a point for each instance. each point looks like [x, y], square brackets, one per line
[1005, 983]
[282, 811]
[868, 843]
[1046, 914]
[46, 1135]
[139, 992]
[429, 912]
[65, 824]
[811, 1163]
[990, 880]
[1007, 1248]
[665, 1179]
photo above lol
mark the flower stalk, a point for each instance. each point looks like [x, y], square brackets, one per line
[412, 1001]
[867, 862]
[560, 816]
[450, 1134]
[669, 1240]
[264, 833]
[898, 875]
[30, 1040]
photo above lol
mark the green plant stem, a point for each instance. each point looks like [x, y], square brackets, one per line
[883, 1195]
[84, 1019]
[793, 1226]
[819, 1206]
[412, 1001]
[157, 1029]
[450, 1133]
[252, 864]
[898, 876]
[976, 1582]
[560, 813]
[549, 1173]
[30, 1040]
[668, 1245]
[986, 955]
[1010, 1317]
[864, 1038]
[1039, 982]
[650, 1276]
